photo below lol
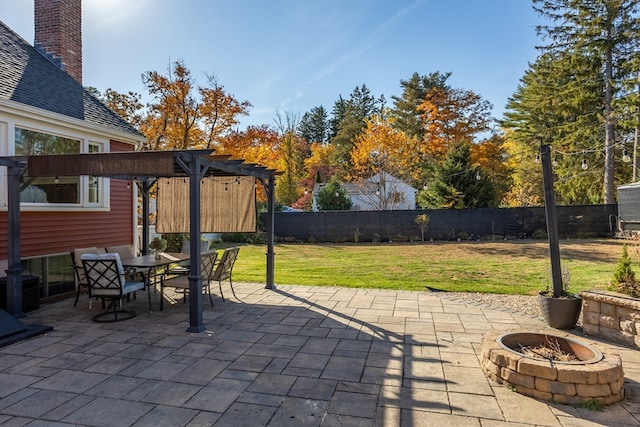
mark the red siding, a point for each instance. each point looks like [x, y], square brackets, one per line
[45, 233]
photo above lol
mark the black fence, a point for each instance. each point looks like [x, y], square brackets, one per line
[444, 224]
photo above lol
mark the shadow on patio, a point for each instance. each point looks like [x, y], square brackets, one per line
[291, 356]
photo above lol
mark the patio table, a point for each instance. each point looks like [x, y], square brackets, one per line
[151, 263]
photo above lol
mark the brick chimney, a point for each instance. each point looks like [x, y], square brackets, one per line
[58, 33]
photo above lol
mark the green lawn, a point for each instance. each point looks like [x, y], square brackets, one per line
[508, 267]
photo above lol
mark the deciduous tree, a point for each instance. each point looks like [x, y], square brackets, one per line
[292, 152]
[414, 92]
[126, 105]
[173, 113]
[452, 115]
[219, 111]
[183, 115]
[381, 148]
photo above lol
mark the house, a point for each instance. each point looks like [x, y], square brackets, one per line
[380, 192]
[44, 109]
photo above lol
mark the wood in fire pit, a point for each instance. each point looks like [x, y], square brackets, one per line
[549, 350]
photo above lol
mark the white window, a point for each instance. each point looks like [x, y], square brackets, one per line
[397, 197]
[64, 190]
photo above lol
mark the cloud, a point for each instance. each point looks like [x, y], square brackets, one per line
[367, 44]
[114, 13]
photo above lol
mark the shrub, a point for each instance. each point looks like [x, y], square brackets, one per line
[174, 241]
[423, 223]
[624, 278]
[539, 234]
[259, 237]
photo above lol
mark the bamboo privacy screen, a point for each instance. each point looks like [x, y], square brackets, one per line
[227, 205]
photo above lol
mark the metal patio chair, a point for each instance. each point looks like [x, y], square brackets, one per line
[106, 278]
[126, 252]
[207, 262]
[81, 280]
[224, 269]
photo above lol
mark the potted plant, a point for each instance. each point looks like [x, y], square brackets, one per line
[560, 307]
[158, 245]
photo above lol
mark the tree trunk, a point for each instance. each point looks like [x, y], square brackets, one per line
[609, 128]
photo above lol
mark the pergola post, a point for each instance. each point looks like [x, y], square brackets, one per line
[14, 271]
[195, 269]
[145, 216]
[271, 187]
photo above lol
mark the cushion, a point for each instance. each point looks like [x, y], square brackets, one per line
[108, 256]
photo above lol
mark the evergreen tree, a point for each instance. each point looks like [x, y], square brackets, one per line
[332, 197]
[315, 126]
[355, 111]
[337, 114]
[414, 91]
[562, 110]
[602, 38]
[458, 183]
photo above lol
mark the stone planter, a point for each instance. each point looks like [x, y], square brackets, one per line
[560, 313]
[611, 316]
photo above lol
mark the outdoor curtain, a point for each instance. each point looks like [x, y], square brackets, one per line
[227, 205]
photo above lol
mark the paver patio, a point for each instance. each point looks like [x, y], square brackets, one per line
[294, 356]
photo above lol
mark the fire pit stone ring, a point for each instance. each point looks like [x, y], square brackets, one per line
[596, 376]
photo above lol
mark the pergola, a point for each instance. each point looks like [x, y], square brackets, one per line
[143, 167]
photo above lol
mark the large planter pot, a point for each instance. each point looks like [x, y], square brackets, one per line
[560, 313]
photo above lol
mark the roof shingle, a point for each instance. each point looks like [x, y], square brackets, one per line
[28, 77]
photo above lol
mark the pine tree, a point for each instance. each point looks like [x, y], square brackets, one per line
[414, 91]
[601, 37]
[333, 197]
[315, 126]
[355, 111]
[458, 184]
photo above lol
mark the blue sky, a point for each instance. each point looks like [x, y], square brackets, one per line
[289, 56]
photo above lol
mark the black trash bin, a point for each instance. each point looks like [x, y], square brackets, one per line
[30, 293]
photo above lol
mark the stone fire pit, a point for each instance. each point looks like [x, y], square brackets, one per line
[593, 376]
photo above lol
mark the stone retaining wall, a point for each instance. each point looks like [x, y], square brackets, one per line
[611, 316]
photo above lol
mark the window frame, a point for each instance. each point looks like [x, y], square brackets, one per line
[88, 142]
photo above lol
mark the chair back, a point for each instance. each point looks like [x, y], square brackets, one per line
[225, 266]
[186, 246]
[76, 255]
[125, 251]
[207, 262]
[105, 275]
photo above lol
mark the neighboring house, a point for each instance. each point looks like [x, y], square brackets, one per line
[381, 192]
[45, 110]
